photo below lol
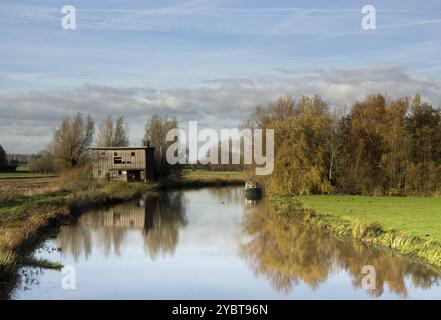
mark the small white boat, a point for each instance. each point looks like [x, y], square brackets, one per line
[252, 189]
[250, 185]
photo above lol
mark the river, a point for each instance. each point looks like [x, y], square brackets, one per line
[212, 243]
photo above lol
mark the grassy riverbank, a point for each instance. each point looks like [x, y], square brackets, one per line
[410, 225]
[418, 216]
[24, 172]
[22, 218]
[26, 212]
[203, 178]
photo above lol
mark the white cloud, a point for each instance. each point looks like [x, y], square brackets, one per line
[28, 118]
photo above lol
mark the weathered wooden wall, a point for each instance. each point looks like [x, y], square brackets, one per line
[103, 161]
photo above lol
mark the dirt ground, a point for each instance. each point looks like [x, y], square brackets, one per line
[27, 184]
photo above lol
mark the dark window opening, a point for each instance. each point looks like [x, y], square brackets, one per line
[115, 153]
[103, 153]
[117, 160]
[119, 172]
[128, 162]
[133, 154]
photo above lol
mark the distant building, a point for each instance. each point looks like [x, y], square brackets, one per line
[123, 163]
[19, 159]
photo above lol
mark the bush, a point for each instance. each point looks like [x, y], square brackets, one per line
[366, 229]
[77, 179]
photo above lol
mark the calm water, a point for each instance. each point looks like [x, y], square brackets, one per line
[212, 244]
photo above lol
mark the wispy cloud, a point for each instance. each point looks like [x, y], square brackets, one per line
[209, 60]
[227, 100]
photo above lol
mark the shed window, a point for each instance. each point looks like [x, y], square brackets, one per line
[103, 153]
[117, 160]
[115, 153]
[133, 154]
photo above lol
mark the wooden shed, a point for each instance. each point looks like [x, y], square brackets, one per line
[123, 163]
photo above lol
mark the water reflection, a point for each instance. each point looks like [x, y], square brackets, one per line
[286, 252]
[164, 217]
[214, 240]
[159, 218]
[232, 196]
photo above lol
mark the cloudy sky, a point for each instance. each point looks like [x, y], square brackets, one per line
[210, 61]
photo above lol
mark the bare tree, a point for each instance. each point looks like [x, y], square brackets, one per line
[43, 161]
[113, 133]
[156, 130]
[72, 141]
[282, 109]
[334, 141]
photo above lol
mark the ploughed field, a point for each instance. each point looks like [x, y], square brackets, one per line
[26, 183]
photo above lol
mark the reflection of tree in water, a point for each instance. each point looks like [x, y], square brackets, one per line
[76, 240]
[159, 220]
[109, 226]
[25, 278]
[165, 215]
[390, 268]
[283, 250]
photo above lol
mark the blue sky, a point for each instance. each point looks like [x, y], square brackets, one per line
[211, 61]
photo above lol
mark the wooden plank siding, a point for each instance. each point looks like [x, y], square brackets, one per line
[122, 216]
[116, 162]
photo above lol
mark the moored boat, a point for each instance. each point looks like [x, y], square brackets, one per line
[253, 190]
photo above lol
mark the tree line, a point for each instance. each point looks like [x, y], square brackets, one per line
[72, 140]
[377, 146]
[5, 164]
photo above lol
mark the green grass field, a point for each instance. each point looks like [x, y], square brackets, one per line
[18, 174]
[200, 172]
[23, 172]
[420, 216]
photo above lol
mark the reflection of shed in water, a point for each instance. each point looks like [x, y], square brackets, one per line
[155, 212]
[158, 218]
[125, 216]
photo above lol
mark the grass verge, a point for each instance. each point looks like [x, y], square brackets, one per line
[418, 216]
[23, 219]
[199, 179]
[41, 263]
[364, 229]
